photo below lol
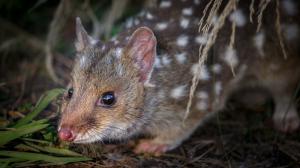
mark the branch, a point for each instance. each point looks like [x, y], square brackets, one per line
[58, 22]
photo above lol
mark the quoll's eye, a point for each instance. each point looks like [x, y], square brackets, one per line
[107, 99]
[70, 93]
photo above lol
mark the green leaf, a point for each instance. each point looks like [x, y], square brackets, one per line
[4, 164]
[42, 157]
[37, 140]
[11, 160]
[7, 136]
[24, 147]
[41, 105]
[54, 150]
[25, 163]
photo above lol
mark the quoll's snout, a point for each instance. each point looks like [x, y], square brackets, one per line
[66, 134]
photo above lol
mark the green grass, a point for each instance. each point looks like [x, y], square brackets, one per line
[28, 142]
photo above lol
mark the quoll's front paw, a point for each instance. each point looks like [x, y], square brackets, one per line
[151, 147]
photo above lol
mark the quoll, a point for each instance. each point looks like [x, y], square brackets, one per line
[138, 83]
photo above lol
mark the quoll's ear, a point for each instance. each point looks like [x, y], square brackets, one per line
[83, 39]
[142, 48]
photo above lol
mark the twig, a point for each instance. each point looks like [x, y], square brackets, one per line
[116, 11]
[252, 11]
[97, 25]
[27, 40]
[60, 17]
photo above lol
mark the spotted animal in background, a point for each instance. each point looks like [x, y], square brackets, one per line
[138, 83]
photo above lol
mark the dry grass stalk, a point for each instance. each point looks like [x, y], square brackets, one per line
[278, 30]
[262, 6]
[213, 13]
[203, 51]
[232, 39]
[252, 11]
[204, 14]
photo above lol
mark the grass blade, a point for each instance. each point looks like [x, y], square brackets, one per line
[42, 157]
[37, 141]
[24, 147]
[4, 165]
[54, 150]
[7, 136]
[41, 105]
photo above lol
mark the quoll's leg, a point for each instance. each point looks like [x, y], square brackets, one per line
[151, 146]
[166, 139]
[285, 117]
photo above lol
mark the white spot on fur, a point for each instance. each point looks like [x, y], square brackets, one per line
[118, 52]
[119, 69]
[82, 61]
[165, 60]
[290, 31]
[230, 57]
[178, 92]
[142, 13]
[181, 57]
[258, 42]
[218, 88]
[103, 47]
[203, 72]
[93, 41]
[196, 2]
[149, 16]
[136, 22]
[187, 11]
[238, 17]
[184, 23]
[157, 62]
[165, 4]
[202, 105]
[116, 42]
[202, 95]
[182, 40]
[129, 23]
[161, 26]
[289, 7]
[201, 39]
[113, 38]
[216, 68]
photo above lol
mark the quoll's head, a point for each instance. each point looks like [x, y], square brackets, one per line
[105, 96]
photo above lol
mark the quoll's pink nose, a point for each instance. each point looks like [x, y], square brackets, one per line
[66, 134]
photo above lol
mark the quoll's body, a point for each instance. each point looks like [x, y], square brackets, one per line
[139, 82]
